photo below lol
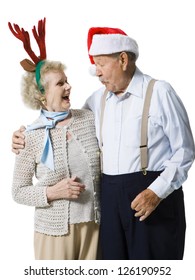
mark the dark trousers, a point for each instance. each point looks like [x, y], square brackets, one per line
[123, 237]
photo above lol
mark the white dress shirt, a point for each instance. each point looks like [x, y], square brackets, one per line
[170, 141]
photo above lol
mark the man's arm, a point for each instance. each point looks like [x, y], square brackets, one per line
[18, 140]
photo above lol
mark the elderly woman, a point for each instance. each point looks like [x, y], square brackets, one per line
[61, 150]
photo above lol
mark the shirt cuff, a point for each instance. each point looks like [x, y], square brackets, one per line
[161, 188]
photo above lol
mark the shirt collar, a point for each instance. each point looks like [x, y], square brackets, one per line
[135, 87]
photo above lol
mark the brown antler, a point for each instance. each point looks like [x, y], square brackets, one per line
[40, 38]
[23, 35]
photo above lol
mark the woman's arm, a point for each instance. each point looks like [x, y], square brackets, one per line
[39, 195]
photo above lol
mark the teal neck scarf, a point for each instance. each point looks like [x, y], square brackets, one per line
[48, 120]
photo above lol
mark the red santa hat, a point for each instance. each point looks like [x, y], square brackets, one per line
[107, 40]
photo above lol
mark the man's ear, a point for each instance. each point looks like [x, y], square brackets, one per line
[123, 60]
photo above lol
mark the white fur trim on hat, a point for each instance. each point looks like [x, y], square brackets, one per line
[112, 43]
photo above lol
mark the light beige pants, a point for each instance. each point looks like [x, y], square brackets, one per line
[81, 243]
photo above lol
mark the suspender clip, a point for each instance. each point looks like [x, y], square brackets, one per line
[144, 171]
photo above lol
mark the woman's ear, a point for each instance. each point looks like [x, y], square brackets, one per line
[42, 100]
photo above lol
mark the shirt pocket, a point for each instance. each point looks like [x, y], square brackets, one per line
[132, 130]
[155, 129]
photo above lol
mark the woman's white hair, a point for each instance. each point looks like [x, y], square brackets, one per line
[31, 95]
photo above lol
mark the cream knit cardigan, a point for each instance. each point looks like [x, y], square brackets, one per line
[53, 218]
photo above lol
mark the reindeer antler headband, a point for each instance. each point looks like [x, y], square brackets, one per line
[37, 61]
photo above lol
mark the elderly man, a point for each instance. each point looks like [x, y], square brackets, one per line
[146, 150]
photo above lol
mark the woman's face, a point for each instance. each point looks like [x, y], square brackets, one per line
[57, 91]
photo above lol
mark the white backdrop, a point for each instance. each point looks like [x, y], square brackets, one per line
[164, 30]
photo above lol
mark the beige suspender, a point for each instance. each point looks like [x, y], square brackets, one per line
[103, 104]
[144, 127]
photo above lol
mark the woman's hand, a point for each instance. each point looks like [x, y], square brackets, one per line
[67, 188]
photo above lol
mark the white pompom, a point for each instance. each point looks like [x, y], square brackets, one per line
[92, 70]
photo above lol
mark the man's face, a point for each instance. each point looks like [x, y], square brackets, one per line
[110, 72]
